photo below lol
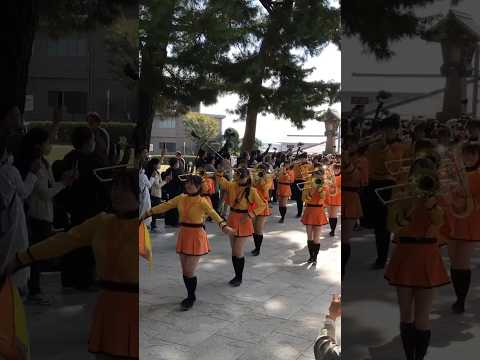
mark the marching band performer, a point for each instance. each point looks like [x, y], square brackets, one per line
[192, 240]
[416, 265]
[114, 240]
[351, 205]
[286, 178]
[386, 149]
[465, 230]
[335, 201]
[300, 168]
[314, 195]
[263, 182]
[245, 204]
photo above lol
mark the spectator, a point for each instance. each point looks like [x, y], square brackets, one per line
[35, 146]
[86, 198]
[181, 161]
[102, 137]
[154, 176]
[173, 189]
[13, 227]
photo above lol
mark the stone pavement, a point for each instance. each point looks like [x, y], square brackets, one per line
[370, 320]
[60, 331]
[276, 313]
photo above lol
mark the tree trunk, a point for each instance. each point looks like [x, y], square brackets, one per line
[280, 16]
[248, 142]
[19, 24]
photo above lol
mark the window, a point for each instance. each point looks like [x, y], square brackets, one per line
[75, 102]
[68, 46]
[162, 123]
[171, 147]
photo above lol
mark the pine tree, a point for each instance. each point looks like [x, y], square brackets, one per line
[379, 23]
[268, 73]
[181, 43]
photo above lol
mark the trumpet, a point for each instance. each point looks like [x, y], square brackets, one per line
[107, 168]
[317, 183]
[370, 140]
[424, 183]
[184, 177]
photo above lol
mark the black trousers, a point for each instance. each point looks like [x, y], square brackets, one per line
[377, 216]
[297, 196]
[154, 201]
[39, 231]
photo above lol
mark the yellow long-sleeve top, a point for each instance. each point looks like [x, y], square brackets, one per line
[301, 171]
[378, 155]
[114, 242]
[314, 196]
[418, 222]
[191, 209]
[263, 187]
[237, 193]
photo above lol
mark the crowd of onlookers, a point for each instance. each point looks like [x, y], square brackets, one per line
[38, 199]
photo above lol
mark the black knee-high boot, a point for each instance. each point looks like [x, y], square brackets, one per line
[407, 333]
[258, 239]
[191, 285]
[310, 250]
[346, 252]
[316, 250]
[461, 279]
[422, 342]
[238, 266]
[283, 212]
[333, 225]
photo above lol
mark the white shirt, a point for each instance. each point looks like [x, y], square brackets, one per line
[15, 236]
[156, 184]
[145, 203]
[41, 201]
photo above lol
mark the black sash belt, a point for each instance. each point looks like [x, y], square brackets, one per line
[351, 189]
[312, 205]
[121, 287]
[239, 211]
[191, 225]
[413, 240]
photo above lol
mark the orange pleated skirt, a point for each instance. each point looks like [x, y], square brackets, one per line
[467, 229]
[417, 266]
[241, 223]
[314, 216]
[192, 241]
[351, 205]
[115, 325]
[284, 190]
[7, 322]
[335, 200]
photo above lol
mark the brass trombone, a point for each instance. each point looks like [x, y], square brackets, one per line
[107, 179]
[184, 177]
[317, 183]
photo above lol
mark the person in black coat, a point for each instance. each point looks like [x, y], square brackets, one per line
[86, 198]
[173, 189]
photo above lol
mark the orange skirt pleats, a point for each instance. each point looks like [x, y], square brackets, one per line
[417, 266]
[314, 216]
[115, 325]
[192, 241]
[241, 223]
[351, 206]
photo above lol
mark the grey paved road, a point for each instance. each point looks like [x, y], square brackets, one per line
[370, 314]
[275, 314]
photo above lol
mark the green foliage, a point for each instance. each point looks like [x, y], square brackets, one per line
[269, 72]
[380, 23]
[122, 43]
[115, 129]
[62, 17]
[205, 127]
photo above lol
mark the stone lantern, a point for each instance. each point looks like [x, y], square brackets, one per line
[458, 35]
[331, 122]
